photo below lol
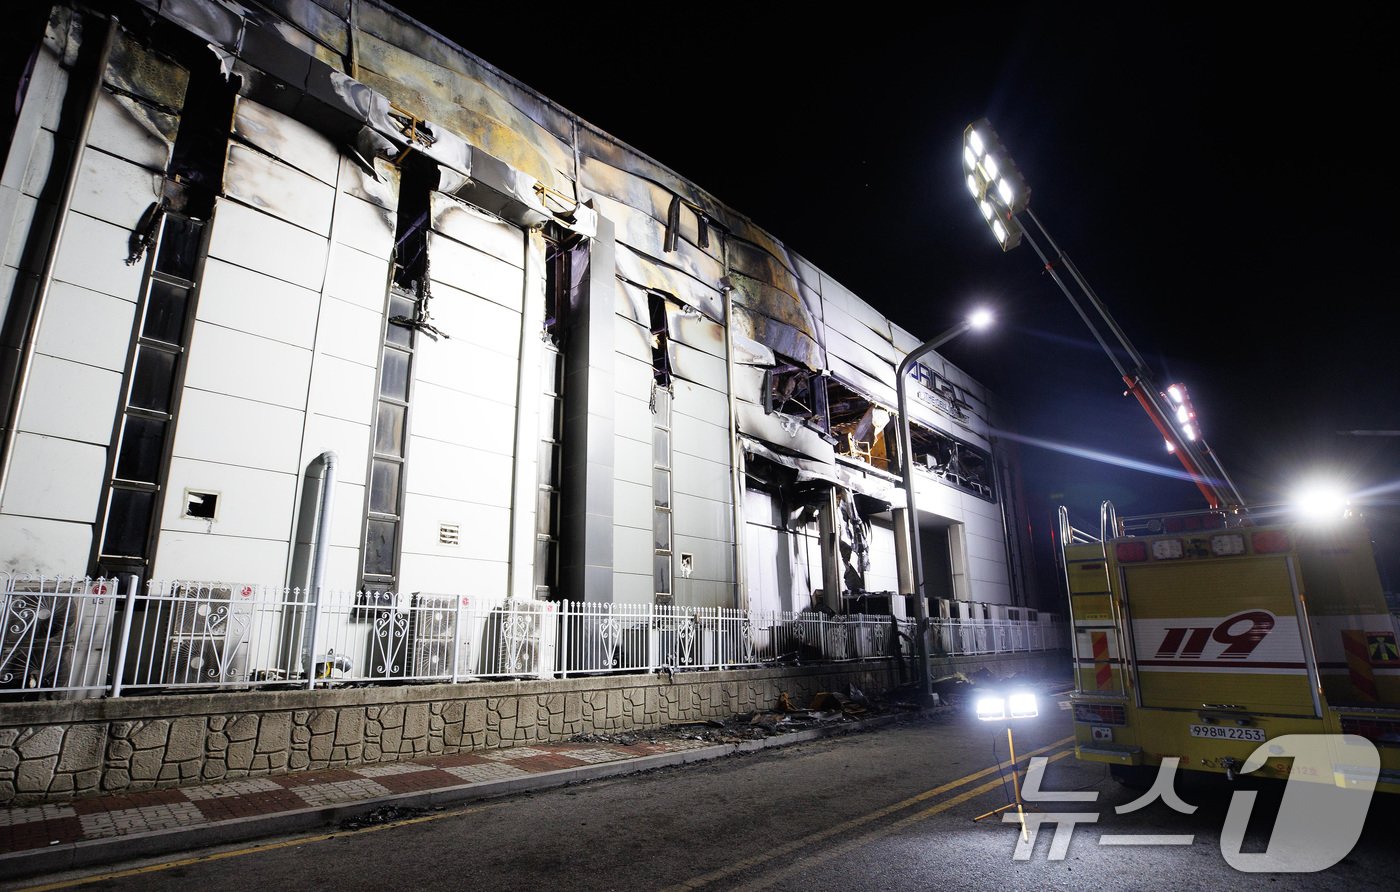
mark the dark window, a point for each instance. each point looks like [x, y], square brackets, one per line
[146, 421]
[165, 312]
[153, 380]
[129, 522]
[389, 429]
[380, 540]
[143, 441]
[384, 487]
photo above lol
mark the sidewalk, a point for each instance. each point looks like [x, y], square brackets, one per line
[105, 829]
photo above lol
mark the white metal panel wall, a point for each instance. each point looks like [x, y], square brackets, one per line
[883, 575]
[252, 368]
[633, 510]
[462, 425]
[59, 464]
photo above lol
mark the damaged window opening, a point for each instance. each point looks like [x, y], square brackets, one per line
[558, 271]
[864, 430]
[953, 461]
[196, 172]
[660, 341]
[795, 390]
[548, 510]
[404, 316]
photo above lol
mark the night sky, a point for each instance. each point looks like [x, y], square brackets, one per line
[1221, 179]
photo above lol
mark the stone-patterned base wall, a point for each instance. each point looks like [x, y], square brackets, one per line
[52, 751]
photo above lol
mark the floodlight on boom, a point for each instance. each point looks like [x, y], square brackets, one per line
[994, 182]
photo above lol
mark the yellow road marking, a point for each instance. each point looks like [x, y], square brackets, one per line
[790, 847]
[254, 850]
[827, 854]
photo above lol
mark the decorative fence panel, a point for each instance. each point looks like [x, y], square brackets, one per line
[78, 637]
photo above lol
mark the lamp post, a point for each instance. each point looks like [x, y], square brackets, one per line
[1002, 197]
[977, 320]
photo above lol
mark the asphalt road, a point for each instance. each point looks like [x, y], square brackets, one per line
[887, 809]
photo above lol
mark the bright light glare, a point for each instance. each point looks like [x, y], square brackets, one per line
[999, 231]
[1189, 430]
[974, 139]
[1022, 705]
[972, 185]
[990, 709]
[1182, 414]
[1007, 194]
[980, 319]
[989, 164]
[1321, 502]
[1175, 393]
[988, 212]
[969, 158]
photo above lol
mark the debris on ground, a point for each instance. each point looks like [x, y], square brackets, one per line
[783, 716]
[385, 814]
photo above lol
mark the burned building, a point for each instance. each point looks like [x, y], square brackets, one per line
[299, 292]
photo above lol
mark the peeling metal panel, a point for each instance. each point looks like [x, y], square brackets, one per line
[747, 351]
[596, 144]
[468, 107]
[382, 189]
[780, 337]
[648, 273]
[470, 226]
[759, 297]
[783, 433]
[841, 347]
[134, 130]
[212, 21]
[287, 139]
[600, 180]
[807, 469]
[639, 230]
[867, 385]
[278, 189]
[758, 264]
[631, 303]
[748, 383]
[144, 73]
[390, 25]
[329, 27]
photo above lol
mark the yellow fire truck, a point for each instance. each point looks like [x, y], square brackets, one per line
[1203, 635]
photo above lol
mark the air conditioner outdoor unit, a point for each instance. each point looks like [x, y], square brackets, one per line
[434, 616]
[55, 635]
[432, 658]
[202, 660]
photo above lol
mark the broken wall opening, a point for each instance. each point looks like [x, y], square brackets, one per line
[864, 430]
[952, 461]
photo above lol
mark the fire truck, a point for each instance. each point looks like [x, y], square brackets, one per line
[1203, 635]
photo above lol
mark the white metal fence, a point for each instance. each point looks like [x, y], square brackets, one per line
[80, 637]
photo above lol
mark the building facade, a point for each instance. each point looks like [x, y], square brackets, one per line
[301, 293]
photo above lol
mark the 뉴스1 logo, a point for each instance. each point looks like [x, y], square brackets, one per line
[1234, 638]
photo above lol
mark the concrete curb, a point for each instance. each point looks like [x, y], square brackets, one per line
[97, 852]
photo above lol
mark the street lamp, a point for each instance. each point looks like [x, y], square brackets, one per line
[1002, 196]
[978, 319]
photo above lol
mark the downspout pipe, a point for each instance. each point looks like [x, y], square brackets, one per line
[736, 458]
[41, 296]
[906, 456]
[328, 460]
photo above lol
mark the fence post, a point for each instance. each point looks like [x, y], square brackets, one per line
[313, 613]
[124, 636]
[457, 639]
